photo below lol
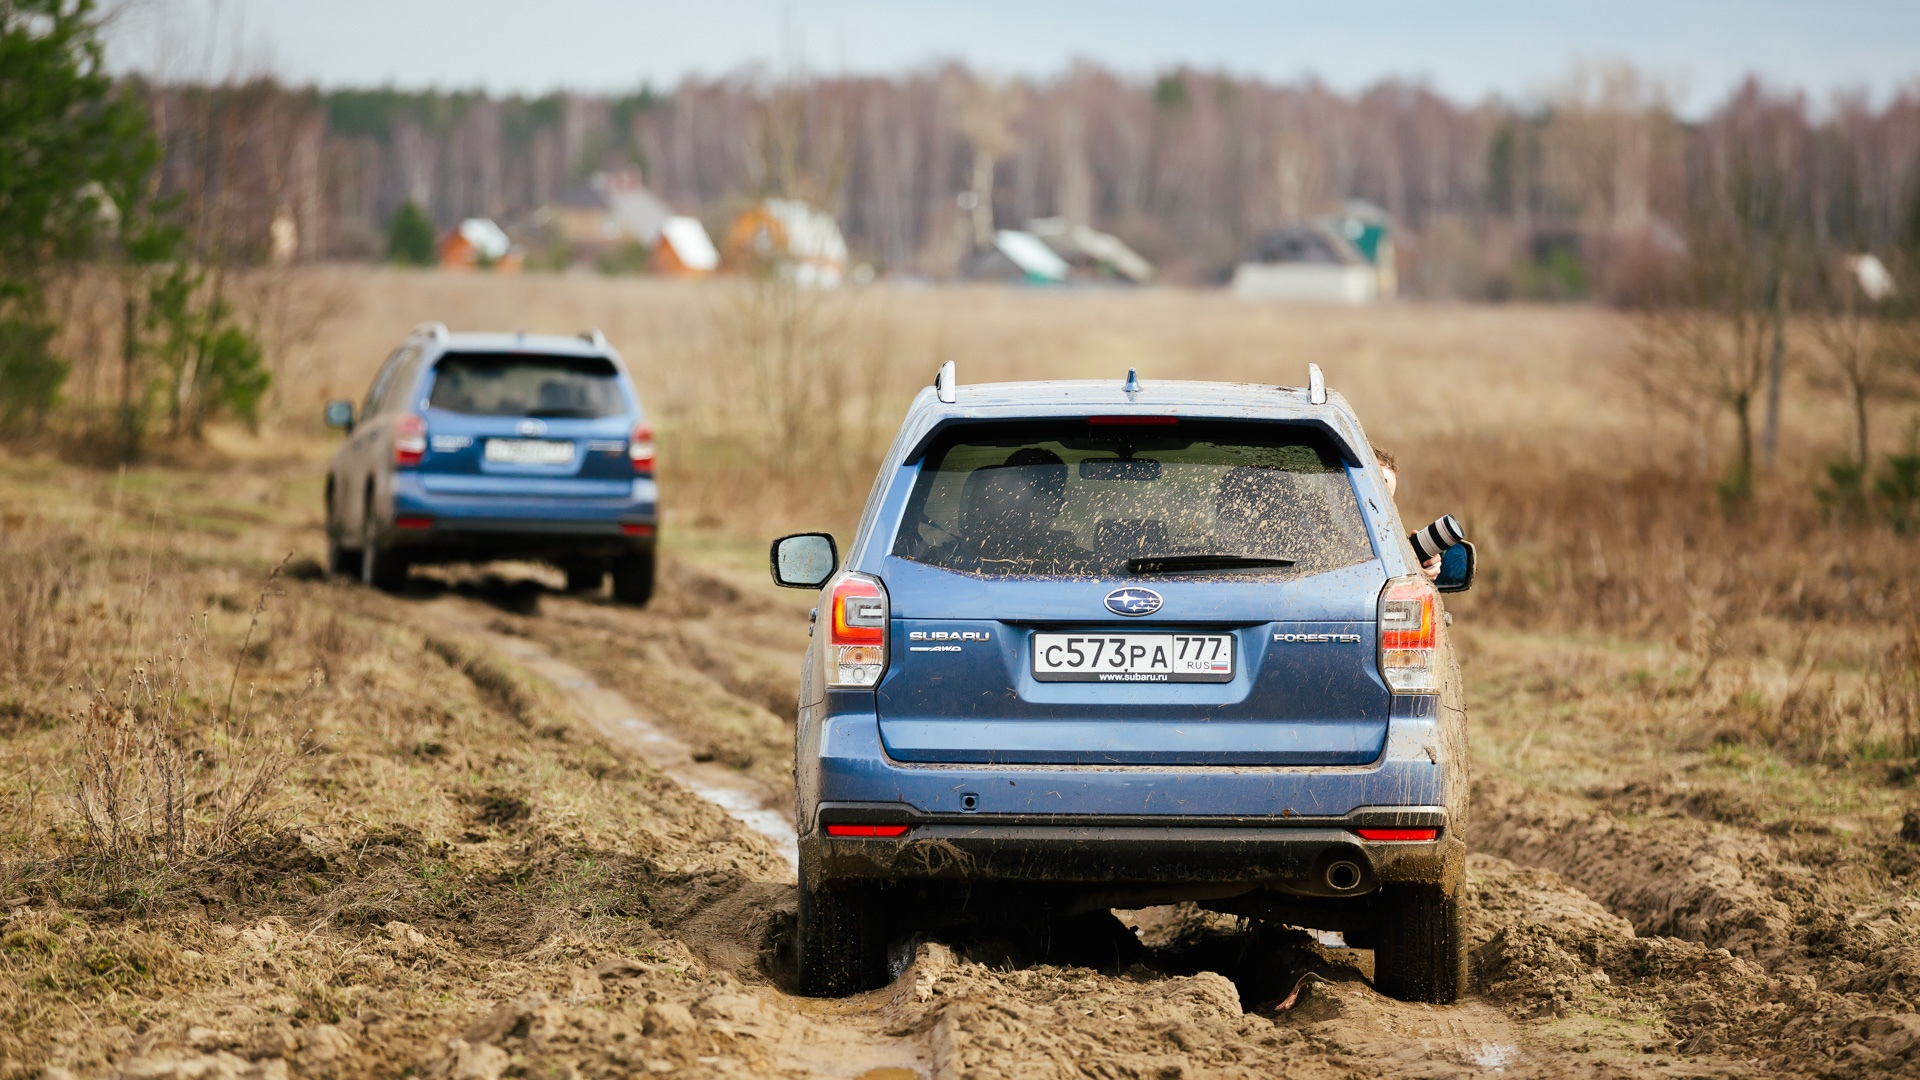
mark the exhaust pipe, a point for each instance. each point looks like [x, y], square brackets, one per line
[1343, 876]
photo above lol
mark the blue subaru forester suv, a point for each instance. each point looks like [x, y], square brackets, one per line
[1110, 645]
[472, 447]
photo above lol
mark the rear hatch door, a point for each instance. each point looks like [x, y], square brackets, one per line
[1025, 631]
[527, 424]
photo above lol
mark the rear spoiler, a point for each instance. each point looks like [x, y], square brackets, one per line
[1353, 448]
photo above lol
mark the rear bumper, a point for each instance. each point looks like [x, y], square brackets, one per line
[1129, 825]
[1294, 859]
[456, 527]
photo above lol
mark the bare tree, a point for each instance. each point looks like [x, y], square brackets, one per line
[1863, 349]
[987, 115]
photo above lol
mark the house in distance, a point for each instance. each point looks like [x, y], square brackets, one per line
[1053, 251]
[479, 244]
[613, 220]
[791, 239]
[1344, 258]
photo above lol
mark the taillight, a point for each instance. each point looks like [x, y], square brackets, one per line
[640, 450]
[858, 635]
[1407, 635]
[1397, 834]
[409, 441]
[866, 830]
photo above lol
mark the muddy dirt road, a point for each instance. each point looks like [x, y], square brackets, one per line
[1674, 944]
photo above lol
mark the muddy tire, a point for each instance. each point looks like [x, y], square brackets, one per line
[633, 579]
[341, 560]
[585, 577]
[841, 945]
[1420, 947]
[379, 568]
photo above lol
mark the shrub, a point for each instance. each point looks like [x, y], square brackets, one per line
[410, 237]
[30, 375]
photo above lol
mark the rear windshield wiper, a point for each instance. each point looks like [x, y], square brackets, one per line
[1199, 564]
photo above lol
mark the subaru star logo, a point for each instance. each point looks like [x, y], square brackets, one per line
[1132, 601]
[533, 427]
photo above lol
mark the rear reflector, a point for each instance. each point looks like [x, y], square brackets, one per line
[1153, 420]
[637, 530]
[1397, 834]
[413, 523]
[867, 830]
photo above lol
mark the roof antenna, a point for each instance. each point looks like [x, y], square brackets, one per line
[943, 384]
[1133, 382]
[1316, 385]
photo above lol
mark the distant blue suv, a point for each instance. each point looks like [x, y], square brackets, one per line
[1111, 645]
[472, 447]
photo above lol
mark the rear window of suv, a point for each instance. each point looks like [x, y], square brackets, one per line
[516, 384]
[1066, 499]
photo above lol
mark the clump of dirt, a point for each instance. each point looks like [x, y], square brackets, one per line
[1667, 875]
[497, 806]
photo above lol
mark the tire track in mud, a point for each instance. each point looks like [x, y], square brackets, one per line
[617, 720]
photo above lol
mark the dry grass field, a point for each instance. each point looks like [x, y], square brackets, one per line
[258, 823]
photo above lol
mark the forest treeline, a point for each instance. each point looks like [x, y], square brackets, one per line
[1566, 196]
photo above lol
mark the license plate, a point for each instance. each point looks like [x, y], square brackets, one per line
[1133, 657]
[530, 451]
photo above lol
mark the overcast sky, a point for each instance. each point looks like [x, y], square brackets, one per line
[1467, 49]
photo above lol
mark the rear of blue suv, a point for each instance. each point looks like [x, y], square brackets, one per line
[473, 447]
[1103, 646]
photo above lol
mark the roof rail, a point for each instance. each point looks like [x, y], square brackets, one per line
[1316, 385]
[435, 330]
[594, 338]
[943, 384]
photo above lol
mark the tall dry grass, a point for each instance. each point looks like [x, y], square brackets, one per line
[147, 727]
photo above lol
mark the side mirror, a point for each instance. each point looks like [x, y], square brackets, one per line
[340, 415]
[1456, 568]
[803, 560]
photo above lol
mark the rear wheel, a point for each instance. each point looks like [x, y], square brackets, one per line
[585, 577]
[842, 947]
[633, 578]
[340, 559]
[1420, 947]
[379, 568]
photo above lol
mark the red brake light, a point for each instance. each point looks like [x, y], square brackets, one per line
[1149, 420]
[1406, 620]
[859, 612]
[867, 830]
[413, 523]
[1397, 834]
[409, 441]
[640, 450]
[634, 528]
